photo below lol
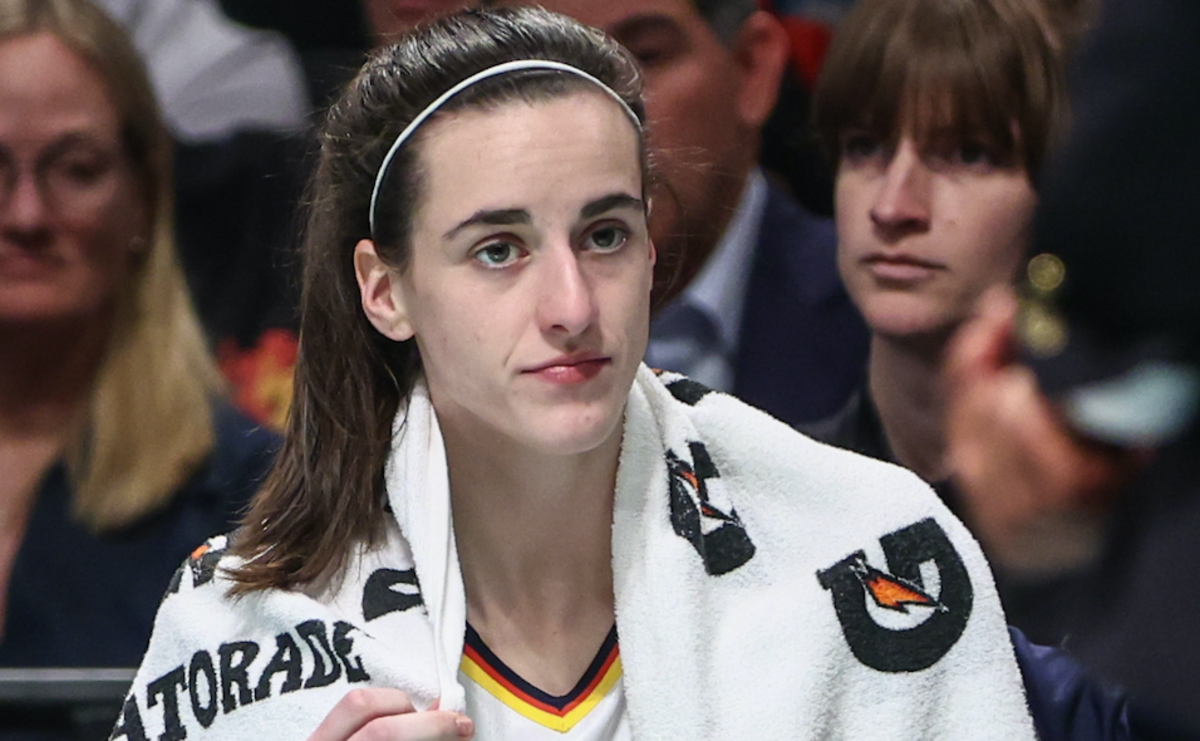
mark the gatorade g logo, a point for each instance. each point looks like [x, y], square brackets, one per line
[905, 620]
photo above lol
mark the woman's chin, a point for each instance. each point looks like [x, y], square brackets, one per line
[570, 432]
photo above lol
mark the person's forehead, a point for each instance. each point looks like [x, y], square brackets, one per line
[614, 16]
[45, 79]
[586, 131]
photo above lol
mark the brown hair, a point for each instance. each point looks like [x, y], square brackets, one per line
[326, 492]
[968, 69]
[149, 423]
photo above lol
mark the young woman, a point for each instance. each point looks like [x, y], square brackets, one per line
[489, 517]
[939, 114]
[117, 447]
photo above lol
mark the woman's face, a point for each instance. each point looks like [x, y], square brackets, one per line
[70, 209]
[923, 230]
[529, 282]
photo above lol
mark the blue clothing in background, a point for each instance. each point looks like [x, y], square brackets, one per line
[79, 599]
[802, 349]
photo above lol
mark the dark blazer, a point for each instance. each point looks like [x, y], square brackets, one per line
[803, 345]
[81, 599]
[78, 598]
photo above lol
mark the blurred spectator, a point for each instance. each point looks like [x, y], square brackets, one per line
[212, 76]
[1109, 325]
[940, 113]
[760, 310]
[119, 454]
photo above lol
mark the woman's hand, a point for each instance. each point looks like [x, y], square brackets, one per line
[383, 714]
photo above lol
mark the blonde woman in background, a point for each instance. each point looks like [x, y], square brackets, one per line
[118, 454]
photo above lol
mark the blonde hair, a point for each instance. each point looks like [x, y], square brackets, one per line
[149, 423]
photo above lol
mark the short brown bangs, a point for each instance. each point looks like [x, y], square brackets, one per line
[948, 71]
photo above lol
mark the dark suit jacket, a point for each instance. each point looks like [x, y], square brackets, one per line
[803, 345]
[81, 599]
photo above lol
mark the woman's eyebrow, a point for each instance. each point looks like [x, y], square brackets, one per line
[497, 217]
[508, 216]
[610, 202]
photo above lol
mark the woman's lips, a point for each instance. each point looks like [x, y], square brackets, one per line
[901, 268]
[570, 370]
[21, 264]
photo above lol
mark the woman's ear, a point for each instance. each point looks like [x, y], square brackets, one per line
[382, 294]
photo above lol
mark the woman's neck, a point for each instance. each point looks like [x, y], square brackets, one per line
[905, 379]
[533, 530]
[46, 374]
[534, 537]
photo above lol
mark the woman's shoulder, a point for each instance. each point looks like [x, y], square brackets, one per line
[270, 663]
[781, 480]
[747, 437]
[226, 652]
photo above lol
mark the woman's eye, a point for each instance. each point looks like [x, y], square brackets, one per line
[973, 153]
[498, 254]
[859, 147]
[79, 168]
[607, 238]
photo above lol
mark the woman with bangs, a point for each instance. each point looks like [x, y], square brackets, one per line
[935, 192]
[934, 201]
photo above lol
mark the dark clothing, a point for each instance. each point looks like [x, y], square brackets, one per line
[236, 223]
[237, 229]
[1132, 615]
[1067, 705]
[803, 344]
[1118, 207]
[856, 427]
[81, 599]
[1119, 199]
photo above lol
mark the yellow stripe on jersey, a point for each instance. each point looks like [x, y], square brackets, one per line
[503, 691]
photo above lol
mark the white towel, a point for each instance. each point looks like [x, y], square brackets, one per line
[767, 587]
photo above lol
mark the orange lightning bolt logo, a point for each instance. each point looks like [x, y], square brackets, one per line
[891, 592]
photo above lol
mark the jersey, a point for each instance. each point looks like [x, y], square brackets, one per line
[504, 706]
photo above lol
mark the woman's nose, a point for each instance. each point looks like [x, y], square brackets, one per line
[566, 304]
[903, 200]
[23, 205]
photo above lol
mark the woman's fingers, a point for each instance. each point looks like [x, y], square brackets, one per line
[430, 725]
[384, 714]
[359, 707]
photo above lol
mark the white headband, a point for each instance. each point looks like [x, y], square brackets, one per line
[499, 69]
